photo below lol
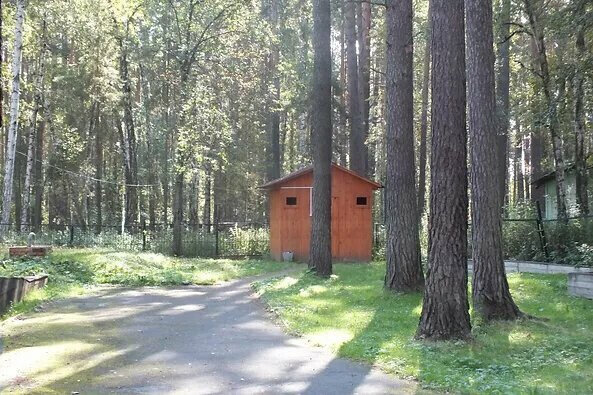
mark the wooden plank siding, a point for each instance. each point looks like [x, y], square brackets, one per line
[352, 224]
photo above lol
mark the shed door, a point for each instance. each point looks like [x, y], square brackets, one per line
[296, 222]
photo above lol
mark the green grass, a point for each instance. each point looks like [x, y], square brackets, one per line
[354, 316]
[74, 271]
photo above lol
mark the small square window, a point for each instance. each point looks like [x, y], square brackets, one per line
[361, 201]
[291, 201]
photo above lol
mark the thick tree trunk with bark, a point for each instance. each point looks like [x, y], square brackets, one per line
[1, 63]
[404, 264]
[14, 117]
[579, 128]
[503, 85]
[320, 253]
[422, 155]
[534, 8]
[490, 290]
[445, 310]
[357, 143]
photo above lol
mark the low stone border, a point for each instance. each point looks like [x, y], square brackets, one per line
[580, 284]
[14, 289]
[539, 268]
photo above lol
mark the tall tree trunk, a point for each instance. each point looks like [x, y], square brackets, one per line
[364, 15]
[579, 128]
[357, 143]
[490, 290]
[207, 216]
[503, 85]
[320, 256]
[534, 9]
[26, 193]
[177, 247]
[193, 201]
[31, 140]
[129, 140]
[445, 309]
[99, 158]
[342, 143]
[404, 264]
[273, 94]
[37, 212]
[424, 123]
[520, 176]
[14, 117]
[1, 68]
[165, 182]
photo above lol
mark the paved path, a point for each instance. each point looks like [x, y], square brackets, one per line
[190, 340]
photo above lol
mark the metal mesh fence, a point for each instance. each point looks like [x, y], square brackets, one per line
[198, 240]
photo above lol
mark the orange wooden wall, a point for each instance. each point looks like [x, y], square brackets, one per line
[352, 225]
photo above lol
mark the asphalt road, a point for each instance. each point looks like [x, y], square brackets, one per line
[189, 340]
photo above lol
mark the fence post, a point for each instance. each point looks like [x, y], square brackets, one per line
[143, 234]
[71, 242]
[541, 231]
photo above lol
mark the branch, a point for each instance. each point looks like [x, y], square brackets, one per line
[191, 54]
[371, 2]
[513, 34]
[531, 69]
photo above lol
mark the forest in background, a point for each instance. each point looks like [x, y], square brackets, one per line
[175, 111]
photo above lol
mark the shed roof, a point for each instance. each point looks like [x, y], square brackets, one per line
[309, 169]
[552, 175]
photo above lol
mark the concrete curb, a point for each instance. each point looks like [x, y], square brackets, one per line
[539, 268]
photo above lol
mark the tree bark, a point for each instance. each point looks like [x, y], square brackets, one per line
[1, 68]
[129, 140]
[193, 202]
[320, 249]
[177, 246]
[520, 175]
[579, 128]
[342, 143]
[273, 94]
[445, 309]
[32, 135]
[357, 143]
[14, 117]
[503, 84]
[37, 213]
[422, 155]
[99, 158]
[364, 15]
[533, 14]
[404, 264]
[490, 290]
[207, 217]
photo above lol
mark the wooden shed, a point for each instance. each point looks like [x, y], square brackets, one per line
[352, 218]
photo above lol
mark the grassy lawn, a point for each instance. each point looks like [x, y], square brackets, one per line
[354, 316]
[74, 271]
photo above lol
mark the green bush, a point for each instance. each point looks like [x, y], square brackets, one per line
[63, 271]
